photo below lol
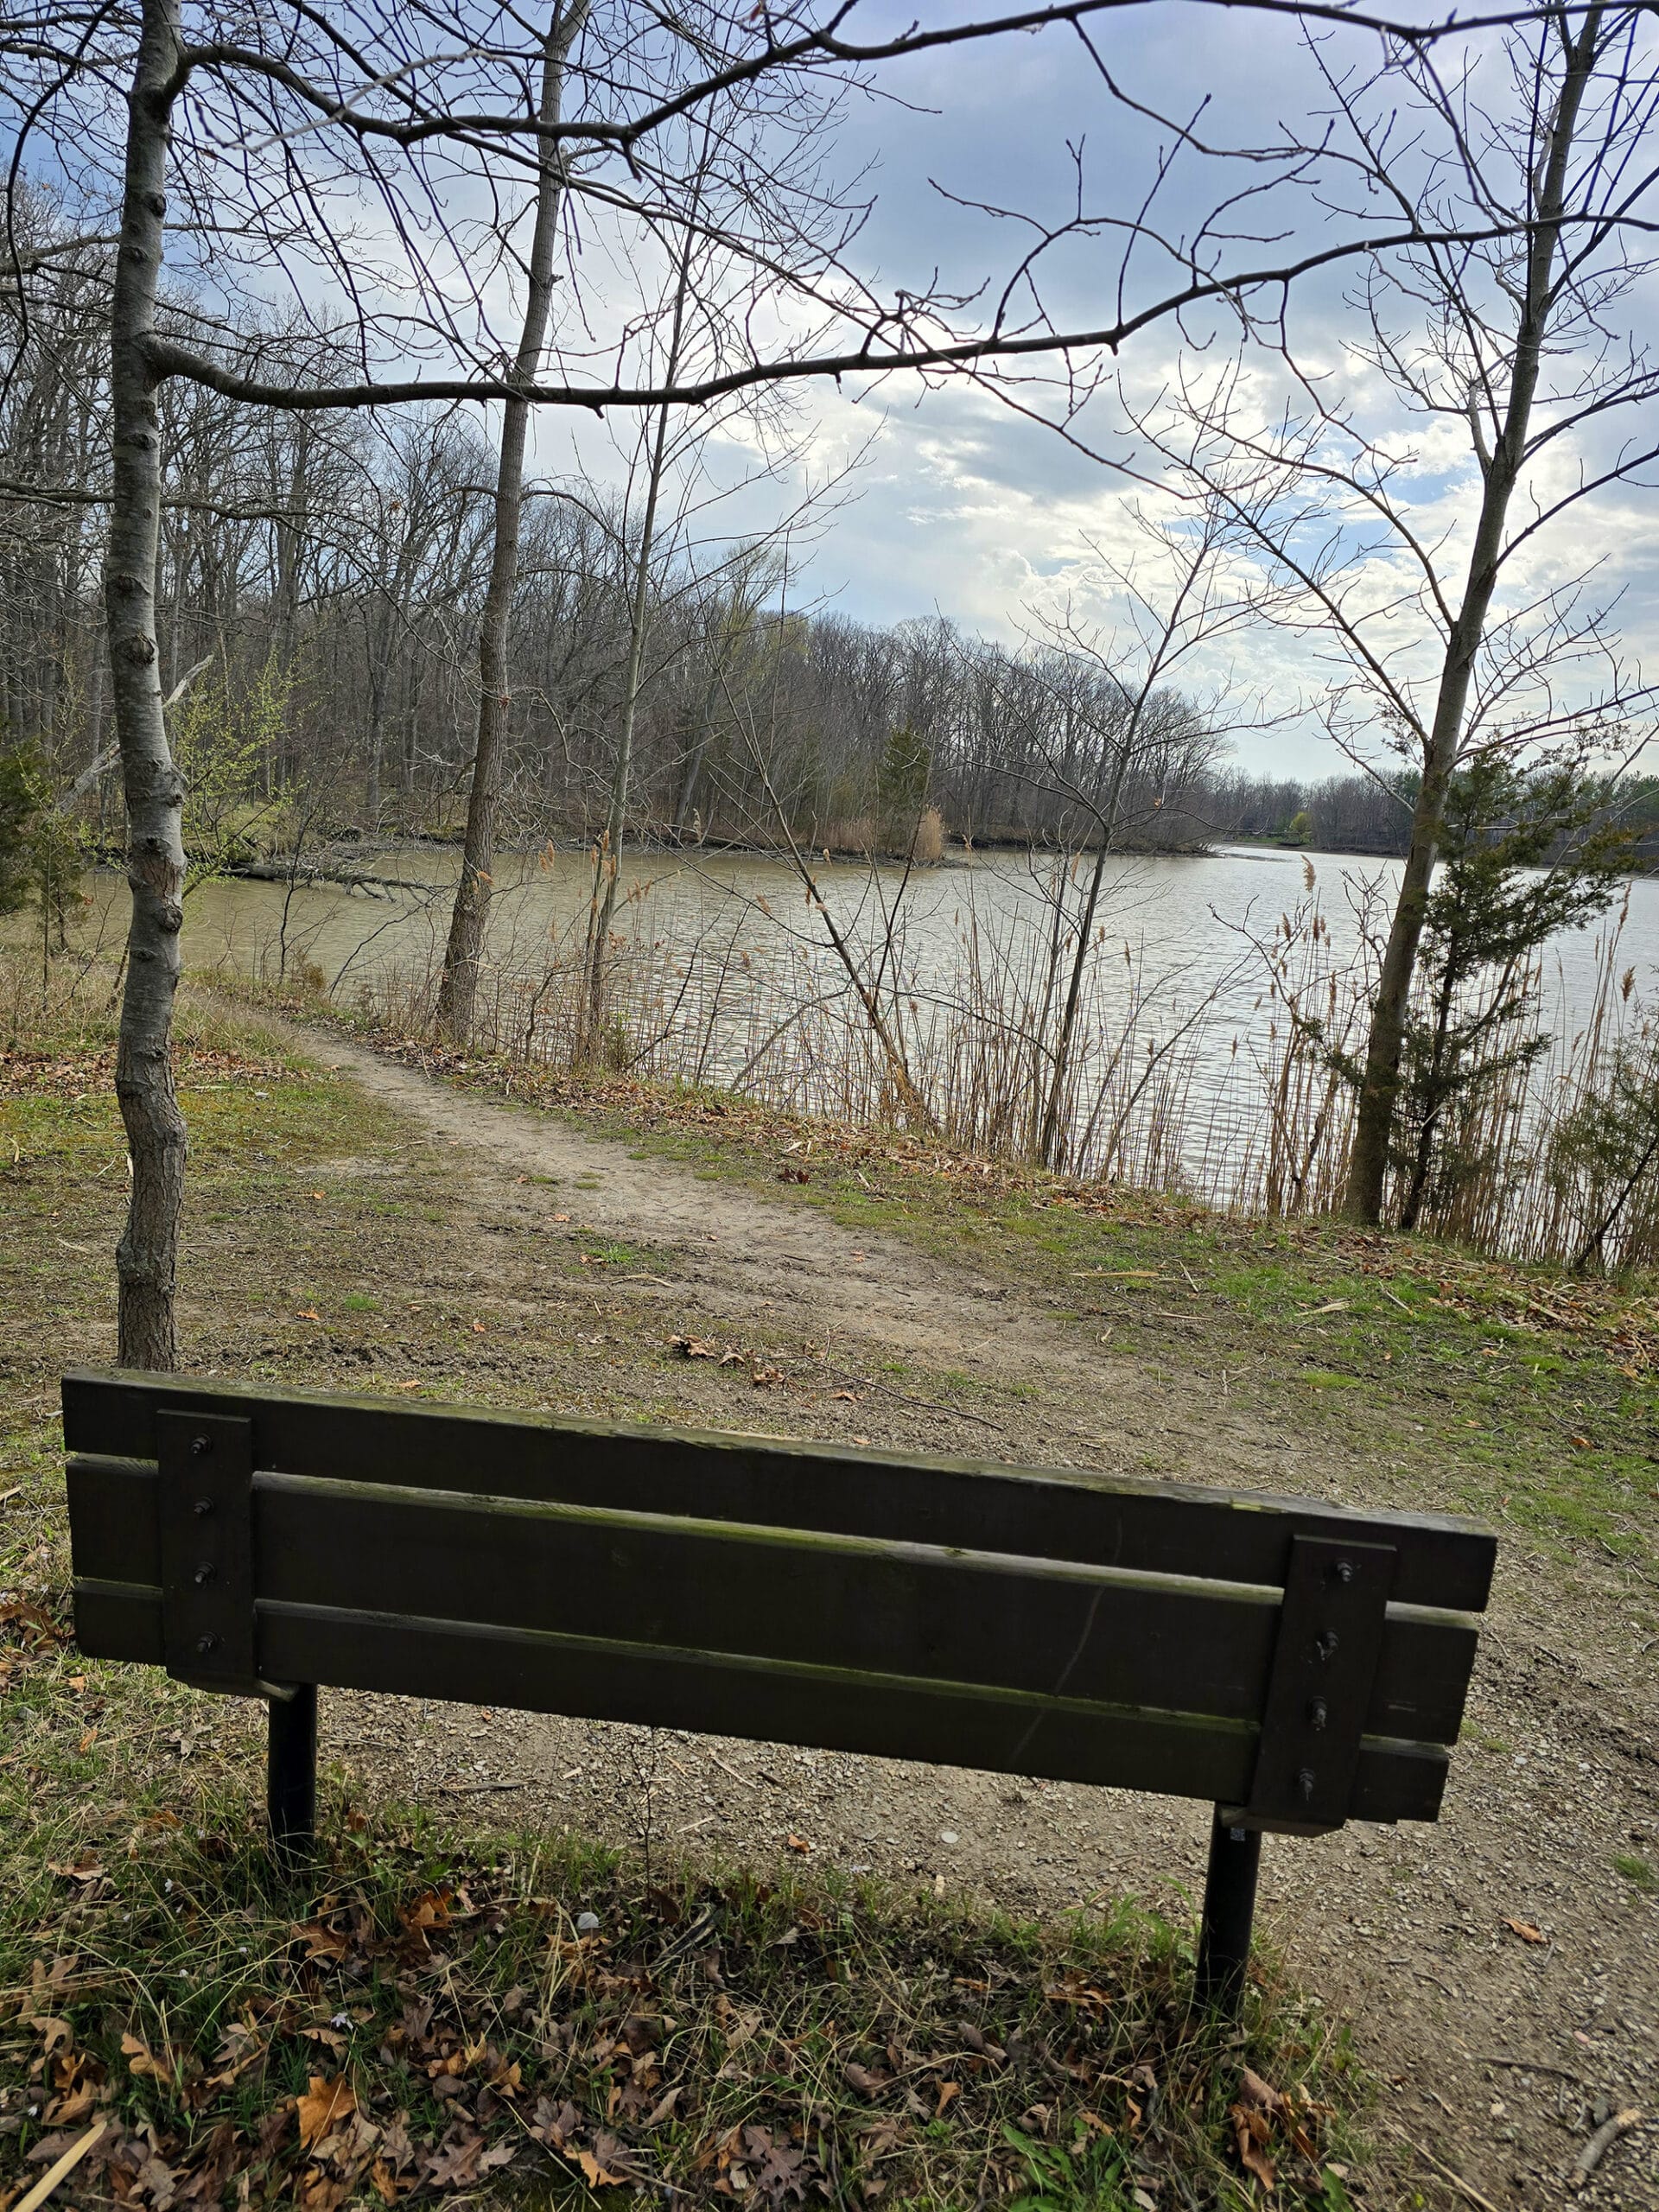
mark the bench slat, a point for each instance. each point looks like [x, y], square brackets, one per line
[1172, 1644]
[768, 1702]
[1109, 1520]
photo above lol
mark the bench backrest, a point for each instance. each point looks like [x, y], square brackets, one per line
[1301, 1662]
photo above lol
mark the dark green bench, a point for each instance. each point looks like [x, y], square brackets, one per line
[1297, 1664]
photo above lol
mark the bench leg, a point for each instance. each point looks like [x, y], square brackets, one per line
[1229, 1910]
[291, 1773]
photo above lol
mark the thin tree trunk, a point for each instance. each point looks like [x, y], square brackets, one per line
[1048, 1143]
[1368, 1164]
[458, 988]
[1413, 1199]
[147, 1259]
[609, 858]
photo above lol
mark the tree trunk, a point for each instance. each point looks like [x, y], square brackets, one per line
[1413, 1204]
[1368, 1164]
[458, 988]
[147, 1261]
[1049, 1141]
[609, 858]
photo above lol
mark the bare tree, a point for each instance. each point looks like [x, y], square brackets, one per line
[1122, 737]
[460, 984]
[1517, 340]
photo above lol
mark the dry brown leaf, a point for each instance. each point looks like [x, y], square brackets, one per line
[1252, 2090]
[83, 1870]
[321, 1942]
[598, 2177]
[324, 2105]
[141, 2059]
[1250, 2134]
[1525, 1931]
[796, 1843]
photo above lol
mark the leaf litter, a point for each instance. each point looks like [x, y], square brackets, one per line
[417, 2035]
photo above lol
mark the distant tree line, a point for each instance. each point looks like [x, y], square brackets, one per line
[319, 584]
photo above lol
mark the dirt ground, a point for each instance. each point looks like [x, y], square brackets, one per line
[1500, 2052]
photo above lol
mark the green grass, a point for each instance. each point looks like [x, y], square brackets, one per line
[1639, 1872]
[1512, 1393]
[448, 1993]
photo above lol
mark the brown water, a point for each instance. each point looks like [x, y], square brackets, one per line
[735, 952]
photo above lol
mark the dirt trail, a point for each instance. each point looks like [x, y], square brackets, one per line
[1497, 2053]
[739, 1248]
[861, 1295]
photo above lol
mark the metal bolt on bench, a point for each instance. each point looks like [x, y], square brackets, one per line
[1296, 1664]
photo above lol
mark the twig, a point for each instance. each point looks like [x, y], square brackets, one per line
[1465, 2188]
[1594, 2150]
[1524, 2065]
[474, 1788]
[62, 2171]
[931, 1405]
[746, 1780]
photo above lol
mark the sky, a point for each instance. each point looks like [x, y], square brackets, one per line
[962, 509]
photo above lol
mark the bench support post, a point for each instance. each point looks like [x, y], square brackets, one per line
[291, 1773]
[1228, 1911]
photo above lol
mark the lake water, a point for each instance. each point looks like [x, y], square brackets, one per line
[730, 976]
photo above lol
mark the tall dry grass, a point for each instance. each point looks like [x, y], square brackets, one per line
[1232, 1094]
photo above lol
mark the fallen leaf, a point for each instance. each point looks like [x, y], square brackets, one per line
[430, 1910]
[1526, 1931]
[598, 2177]
[321, 1942]
[793, 1842]
[323, 2106]
[949, 2089]
[456, 2164]
[87, 1870]
[308, 1314]
[1250, 2133]
[862, 2079]
[141, 2059]
[1252, 2090]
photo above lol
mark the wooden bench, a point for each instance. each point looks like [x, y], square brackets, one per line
[1297, 1664]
